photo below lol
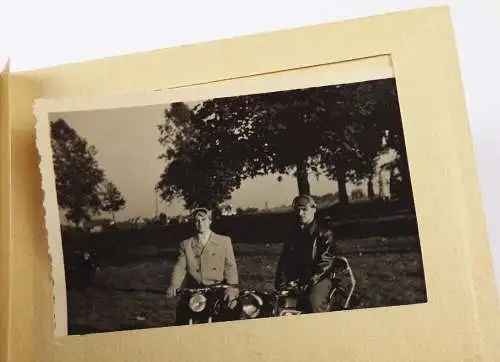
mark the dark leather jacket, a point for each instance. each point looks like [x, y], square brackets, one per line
[307, 255]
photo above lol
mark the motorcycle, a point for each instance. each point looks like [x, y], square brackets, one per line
[205, 304]
[81, 269]
[274, 303]
[288, 300]
[344, 283]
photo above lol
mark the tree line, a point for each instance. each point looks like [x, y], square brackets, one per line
[337, 131]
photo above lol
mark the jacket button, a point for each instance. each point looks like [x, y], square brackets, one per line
[197, 270]
[214, 268]
[213, 254]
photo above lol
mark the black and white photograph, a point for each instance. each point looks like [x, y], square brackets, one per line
[266, 205]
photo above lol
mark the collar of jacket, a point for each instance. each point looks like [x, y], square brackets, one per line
[206, 238]
[311, 228]
[211, 239]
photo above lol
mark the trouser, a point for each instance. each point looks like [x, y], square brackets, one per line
[318, 296]
[182, 312]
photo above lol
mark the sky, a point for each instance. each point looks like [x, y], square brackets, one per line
[128, 148]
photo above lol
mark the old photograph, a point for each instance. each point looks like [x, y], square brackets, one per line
[263, 205]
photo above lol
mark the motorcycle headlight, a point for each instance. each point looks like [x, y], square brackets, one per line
[285, 313]
[252, 305]
[197, 303]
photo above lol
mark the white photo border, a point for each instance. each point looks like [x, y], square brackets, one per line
[353, 71]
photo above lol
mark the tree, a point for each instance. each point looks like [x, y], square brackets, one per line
[112, 200]
[81, 185]
[330, 129]
[77, 173]
[261, 134]
[195, 167]
[288, 136]
[162, 219]
[351, 140]
[366, 121]
[198, 181]
[357, 194]
[213, 147]
[395, 140]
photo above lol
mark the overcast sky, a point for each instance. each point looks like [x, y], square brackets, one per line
[127, 144]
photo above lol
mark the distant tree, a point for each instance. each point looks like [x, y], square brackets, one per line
[112, 200]
[248, 210]
[81, 186]
[251, 210]
[77, 172]
[357, 194]
[162, 219]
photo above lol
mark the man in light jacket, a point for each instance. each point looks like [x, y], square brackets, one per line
[204, 259]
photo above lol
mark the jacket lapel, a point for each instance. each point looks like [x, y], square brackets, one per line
[314, 236]
[211, 243]
[193, 245]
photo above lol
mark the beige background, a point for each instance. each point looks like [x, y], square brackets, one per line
[459, 320]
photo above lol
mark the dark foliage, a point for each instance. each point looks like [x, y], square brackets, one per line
[334, 130]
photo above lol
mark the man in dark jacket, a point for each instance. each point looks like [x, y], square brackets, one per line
[308, 255]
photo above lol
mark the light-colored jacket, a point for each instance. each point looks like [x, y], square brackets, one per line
[216, 263]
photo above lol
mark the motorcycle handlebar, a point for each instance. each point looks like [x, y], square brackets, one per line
[291, 285]
[294, 285]
[204, 289]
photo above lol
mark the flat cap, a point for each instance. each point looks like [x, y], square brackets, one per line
[303, 200]
[201, 211]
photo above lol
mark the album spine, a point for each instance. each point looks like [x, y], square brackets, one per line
[5, 212]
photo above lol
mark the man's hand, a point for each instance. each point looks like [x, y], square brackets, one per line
[171, 292]
[314, 280]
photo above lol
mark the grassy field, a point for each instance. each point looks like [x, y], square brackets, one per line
[129, 295]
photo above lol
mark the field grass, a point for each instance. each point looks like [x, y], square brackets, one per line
[130, 295]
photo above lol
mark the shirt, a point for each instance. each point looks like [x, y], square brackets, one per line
[202, 241]
[205, 238]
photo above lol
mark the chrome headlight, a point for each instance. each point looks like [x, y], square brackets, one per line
[251, 305]
[197, 303]
[288, 312]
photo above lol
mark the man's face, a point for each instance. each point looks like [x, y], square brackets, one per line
[202, 223]
[305, 214]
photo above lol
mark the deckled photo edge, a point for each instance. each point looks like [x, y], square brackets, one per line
[353, 71]
[51, 218]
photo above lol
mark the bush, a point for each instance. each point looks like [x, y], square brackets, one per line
[358, 221]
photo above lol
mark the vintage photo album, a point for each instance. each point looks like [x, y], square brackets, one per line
[302, 194]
